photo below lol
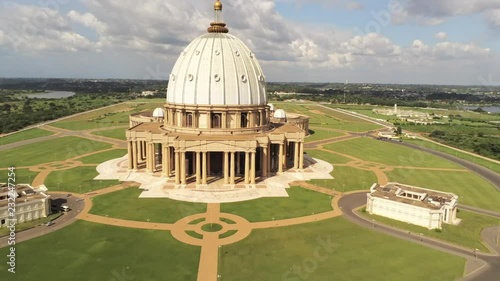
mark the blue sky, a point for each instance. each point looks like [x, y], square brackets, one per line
[387, 41]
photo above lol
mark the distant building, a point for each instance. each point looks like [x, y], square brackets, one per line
[420, 206]
[31, 204]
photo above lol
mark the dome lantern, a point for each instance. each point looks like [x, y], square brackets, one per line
[218, 26]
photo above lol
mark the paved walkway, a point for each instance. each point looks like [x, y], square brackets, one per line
[193, 229]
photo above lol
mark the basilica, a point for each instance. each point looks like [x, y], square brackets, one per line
[216, 125]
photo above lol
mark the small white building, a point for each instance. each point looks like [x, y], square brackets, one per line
[420, 206]
[31, 204]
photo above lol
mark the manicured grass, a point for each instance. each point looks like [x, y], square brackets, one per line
[301, 202]
[471, 189]
[485, 163]
[331, 158]
[109, 117]
[22, 176]
[99, 158]
[467, 233]
[126, 204]
[113, 133]
[351, 253]
[323, 117]
[211, 227]
[24, 135]
[48, 151]
[86, 251]
[77, 180]
[388, 153]
[317, 134]
[348, 179]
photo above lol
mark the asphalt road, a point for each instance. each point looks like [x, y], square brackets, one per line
[66, 219]
[490, 272]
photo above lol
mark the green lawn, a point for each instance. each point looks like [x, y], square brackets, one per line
[471, 189]
[86, 251]
[485, 163]
[348, 179]
[25, 135]
[301, 202]
[317, 134]
[351, 253]
[467, 233]
[48, 151]
[22, 176]
[104, 118]
[77, 180]
[389, 153]
[99, 158]
[113, 133]
[126, 204]
[323, 117]
[331, 158]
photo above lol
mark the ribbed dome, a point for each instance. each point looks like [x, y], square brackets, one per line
[159, 113]
[217, 69]
[280, 114]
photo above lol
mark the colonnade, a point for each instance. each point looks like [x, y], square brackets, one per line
[265, 160]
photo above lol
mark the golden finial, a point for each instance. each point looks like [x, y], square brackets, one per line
[218, 26]
[218, 5]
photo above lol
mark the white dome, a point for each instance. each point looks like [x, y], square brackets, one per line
[280, 114]
[159, 113]
[217, 69]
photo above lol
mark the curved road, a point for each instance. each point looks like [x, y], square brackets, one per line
[490, 272]
[489, 175]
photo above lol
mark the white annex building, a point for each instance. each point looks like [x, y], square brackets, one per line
[31, 204]
[415, 205]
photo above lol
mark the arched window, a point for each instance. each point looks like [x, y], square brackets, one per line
[189, 120]
[259, 118]
[244, 120]
[216, 124]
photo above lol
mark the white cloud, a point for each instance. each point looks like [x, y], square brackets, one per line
[153, 32]
[34, 29]
[441, 36]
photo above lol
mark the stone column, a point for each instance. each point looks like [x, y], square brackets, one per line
[183, 167]
[224, 120]
[296, 151]
[152, 157]
[252, 168]
[130, 156]
[177, 169]
[226, 167]
[231, 180]
[165, 160]
[198, 172]
[204, 169]
[264, 161]
[301, 156]
[247, 167]
[280, 159]
[134, 155]
[148, 162]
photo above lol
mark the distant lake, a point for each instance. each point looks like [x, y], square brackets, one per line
[51, 95]
[494, 109]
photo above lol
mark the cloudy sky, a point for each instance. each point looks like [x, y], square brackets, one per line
[382, 41]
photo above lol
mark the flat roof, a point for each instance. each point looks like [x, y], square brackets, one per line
[31, 194]
[427, 198]
[154, 128]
